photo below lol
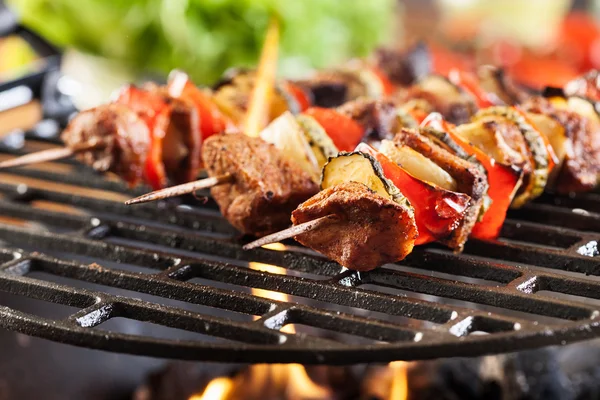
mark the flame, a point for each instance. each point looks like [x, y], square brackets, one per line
[267, 381]
[218, 388]
[399, 386]
[389, 382]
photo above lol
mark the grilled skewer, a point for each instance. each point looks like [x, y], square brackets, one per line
[529, 135]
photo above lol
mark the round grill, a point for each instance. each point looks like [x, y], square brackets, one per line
[68, 239]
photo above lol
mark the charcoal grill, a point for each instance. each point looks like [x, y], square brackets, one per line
[536, 286]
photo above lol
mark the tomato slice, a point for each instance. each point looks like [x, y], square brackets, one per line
[212, 120]
[155, 112]
[300, 95]
[345, 132]
[438, 212]
[469, 83]
[504, 180]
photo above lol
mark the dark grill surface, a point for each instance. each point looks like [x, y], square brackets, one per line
[183, 267]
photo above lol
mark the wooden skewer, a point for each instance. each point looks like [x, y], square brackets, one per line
[179, 190]
[291, 231]
[261, 96]
[50, 155]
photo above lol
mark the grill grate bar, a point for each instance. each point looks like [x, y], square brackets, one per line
[431, 303]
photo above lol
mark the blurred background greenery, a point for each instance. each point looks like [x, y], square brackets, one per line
[205, 37]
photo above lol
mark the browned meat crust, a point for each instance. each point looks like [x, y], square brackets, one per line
[371, 230]
[469, 178]
[378, 117]
[123, 136]
[266, 188]
[581, 167]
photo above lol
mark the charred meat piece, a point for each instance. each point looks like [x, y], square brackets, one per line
[370, 231]
[265, 188]
[123, 139]
[334, 87]
[469, 179]
[576, 143]
[442, 96]
[379, 118]
[404, 67]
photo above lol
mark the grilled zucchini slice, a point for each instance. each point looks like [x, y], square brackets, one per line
[443, 88]
[320, 143]
[417, 165]
[362, 168]
[540, 156]
[287, 135]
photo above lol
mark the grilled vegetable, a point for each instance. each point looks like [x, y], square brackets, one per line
[318, 139]
[499, 86]
[438, 212]
[287, 135]
[344, 132]
[470, 179]
[362, 168]
[504, 181]
[470, 84]
[577, 145]
[540, 156]
[417, 165]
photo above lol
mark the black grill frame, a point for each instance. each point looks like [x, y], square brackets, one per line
[261, 340]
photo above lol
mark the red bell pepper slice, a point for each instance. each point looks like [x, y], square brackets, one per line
[345, 132]
[154, 111]
[469, 83]
[438, 212]
[212, 120]
[300, 95]
[504, 180]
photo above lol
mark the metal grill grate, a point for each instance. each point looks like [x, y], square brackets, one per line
[538, 285]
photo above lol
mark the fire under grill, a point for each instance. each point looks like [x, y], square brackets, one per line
[66, 238]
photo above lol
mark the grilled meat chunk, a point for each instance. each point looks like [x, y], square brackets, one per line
[378, 117]
[123, 140]
[469, 177]
[266, 187]
[371, 230]
[580, 152]
[332, 88]
[404, 67]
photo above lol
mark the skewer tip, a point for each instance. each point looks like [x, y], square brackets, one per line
[290, 232]
[180, 190]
